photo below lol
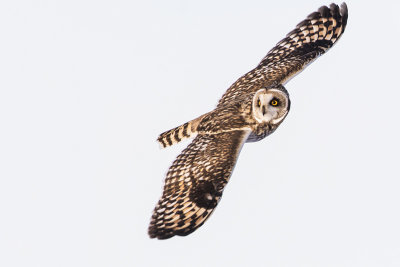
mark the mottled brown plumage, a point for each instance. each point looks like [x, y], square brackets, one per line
[311, 38]
[194, 183]
[251, 109]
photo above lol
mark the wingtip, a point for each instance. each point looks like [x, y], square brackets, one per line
[155, 232]
[343, 9]
[344, 12]
[341, 13]
[333, 10]
[325, 11]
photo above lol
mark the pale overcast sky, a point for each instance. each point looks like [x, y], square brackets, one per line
[87, 86]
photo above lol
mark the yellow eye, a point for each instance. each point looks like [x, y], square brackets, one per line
[259, 103]
[274, 102]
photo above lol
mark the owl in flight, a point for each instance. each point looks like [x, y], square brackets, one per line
[251, 109]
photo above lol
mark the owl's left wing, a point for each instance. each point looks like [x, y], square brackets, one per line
[195, 182]
[311, 38]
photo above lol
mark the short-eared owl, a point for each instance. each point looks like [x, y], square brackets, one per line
[251, 109]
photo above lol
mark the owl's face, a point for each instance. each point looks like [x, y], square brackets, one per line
[270, 106]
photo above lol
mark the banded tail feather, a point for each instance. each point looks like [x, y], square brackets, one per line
[178, 134]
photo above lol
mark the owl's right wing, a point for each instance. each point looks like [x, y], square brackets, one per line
[311, 38]
[195, 182]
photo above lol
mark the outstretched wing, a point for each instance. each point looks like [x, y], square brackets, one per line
[311, 38]
[194, 183]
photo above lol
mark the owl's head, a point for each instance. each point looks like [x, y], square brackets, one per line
[270, 105]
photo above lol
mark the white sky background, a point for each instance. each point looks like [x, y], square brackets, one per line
[86, 87]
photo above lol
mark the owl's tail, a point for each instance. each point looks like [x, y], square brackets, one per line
[174, 136]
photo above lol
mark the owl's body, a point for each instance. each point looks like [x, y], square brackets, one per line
[231, 117]
[251, 109]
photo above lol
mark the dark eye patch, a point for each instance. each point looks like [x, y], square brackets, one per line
[274, 102]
